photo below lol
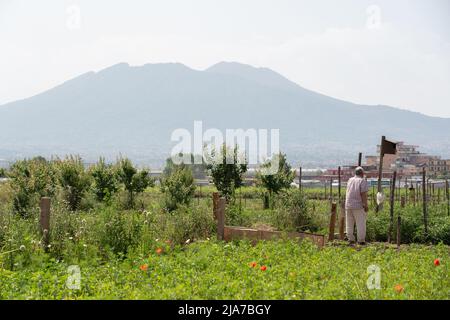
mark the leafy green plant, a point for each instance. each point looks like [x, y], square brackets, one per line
[275, 182]
[227, 168]
[73, 180]
[30, 180]
[135, 181]
[178, 187]
[105, 183]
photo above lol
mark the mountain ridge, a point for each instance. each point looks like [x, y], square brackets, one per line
[132, 110]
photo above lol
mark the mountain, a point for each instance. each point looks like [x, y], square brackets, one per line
[133, 111]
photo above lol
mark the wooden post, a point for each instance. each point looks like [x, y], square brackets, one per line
[403, 201]
[360, 159]
[332, 222]
[392, 204]
[342, 222]
[220, 218]
[380, 170]
[215, 204]
[300, 178]
[325, 188]
[45, 220]
[331, 190]
[447, 191]
[399, 222]
[424, 199]
[339, 185]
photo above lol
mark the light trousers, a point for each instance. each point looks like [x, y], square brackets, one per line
[358, 217]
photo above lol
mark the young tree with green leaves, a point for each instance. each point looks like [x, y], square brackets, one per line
[177, 184]
[227, 175]
[30, 180]
[278, 181]
[104, 177]
[73, 180]
[135, 181]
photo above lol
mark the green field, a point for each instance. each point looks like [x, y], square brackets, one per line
[148, 252]
[212, 270]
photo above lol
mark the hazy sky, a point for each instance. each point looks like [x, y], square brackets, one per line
[373, 52]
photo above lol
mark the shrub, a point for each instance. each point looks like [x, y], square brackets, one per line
[135, 181]
[291, 212]
[227, 176]
[178, 187]
[275, 182]
[119, 231]
[105, 183]
[30, 180]
[73, 180]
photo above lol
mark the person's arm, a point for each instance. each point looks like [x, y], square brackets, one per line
[364, 201]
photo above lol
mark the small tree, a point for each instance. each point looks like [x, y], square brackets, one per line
[73, 180]
[227, 175]
[30, 180]
[105, 183]
[177, 184]
[282, 179]
[2, 173]
[135, 181]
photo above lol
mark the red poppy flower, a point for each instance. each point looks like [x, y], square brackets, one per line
[253, 264]
[159, 250]
[263, 268]
[399, 288]
[144, 267]
[437, 262]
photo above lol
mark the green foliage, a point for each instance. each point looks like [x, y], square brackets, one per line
[2, 172]
[227, 168]
[214, 270]
[105, 183]
[30, 180]
[135, 181]
[73, 180]
[118, 231]
[178, 187]
[292, 212]
[280, 180]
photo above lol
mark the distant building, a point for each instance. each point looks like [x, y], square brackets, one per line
[409, 161]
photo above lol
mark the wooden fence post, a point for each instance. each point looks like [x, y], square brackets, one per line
[342, 222]
[332, 222]
[399, 222]
[403, 201]
[392, 203]
[215, 204]
[447, 191]
[300, 178]
[221, 218]
[424, 205]
[45, 221]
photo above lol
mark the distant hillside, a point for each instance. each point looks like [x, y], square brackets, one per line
[133, 111]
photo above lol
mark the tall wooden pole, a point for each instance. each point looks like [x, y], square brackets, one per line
[392, 203]
[45, 221]
[332, 222]
[424, 199]
[380, 170]
[360, 159]
[447, 191]
[221, 218]
[300, 178]
[339, 184]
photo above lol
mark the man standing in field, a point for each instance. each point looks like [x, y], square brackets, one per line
[356, 207]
